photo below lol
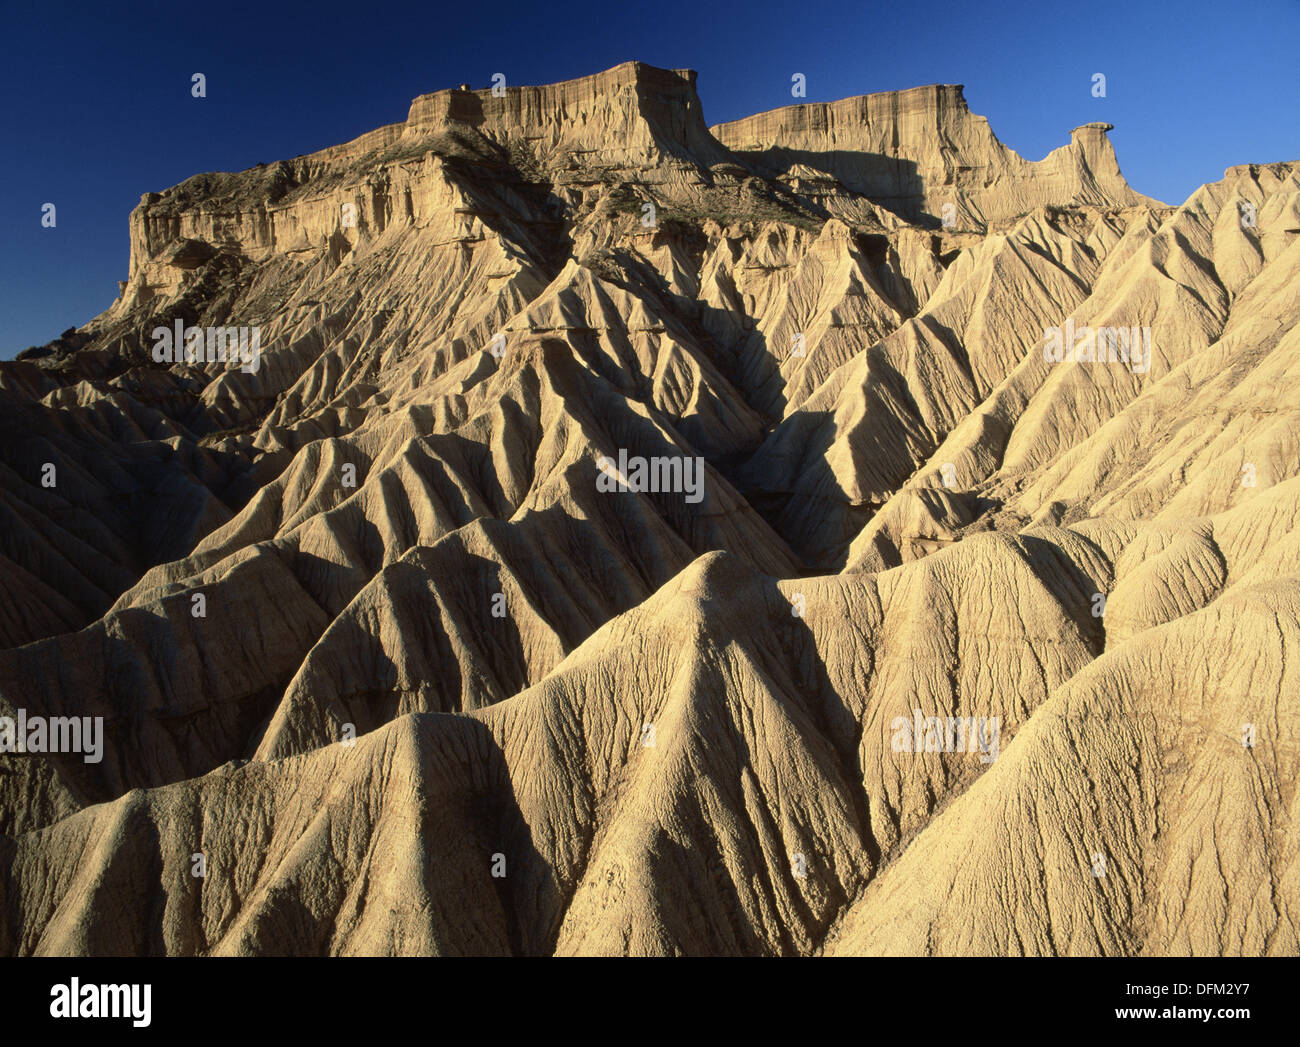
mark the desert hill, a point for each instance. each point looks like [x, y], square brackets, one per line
[452, 690]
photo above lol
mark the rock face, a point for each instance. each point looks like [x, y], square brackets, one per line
[915, 151]
[636, 538]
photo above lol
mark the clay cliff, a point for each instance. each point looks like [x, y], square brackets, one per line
[392, 658]
[915, 151]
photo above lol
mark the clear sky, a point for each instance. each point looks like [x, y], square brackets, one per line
[97, 106]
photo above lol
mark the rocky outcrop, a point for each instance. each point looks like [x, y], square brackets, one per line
[924, 155]
[395, 653]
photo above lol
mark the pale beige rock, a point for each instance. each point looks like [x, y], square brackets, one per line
[434, 647]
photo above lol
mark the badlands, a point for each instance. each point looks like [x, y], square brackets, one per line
[957, 644]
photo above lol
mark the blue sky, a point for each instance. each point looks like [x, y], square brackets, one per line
[97, 106]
